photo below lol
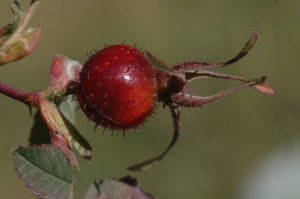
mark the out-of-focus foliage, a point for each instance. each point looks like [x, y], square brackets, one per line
[276, 176]
[126, 187]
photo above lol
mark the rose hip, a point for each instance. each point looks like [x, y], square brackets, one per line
[117, 88]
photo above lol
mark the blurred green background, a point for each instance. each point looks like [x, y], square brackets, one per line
[220, 142]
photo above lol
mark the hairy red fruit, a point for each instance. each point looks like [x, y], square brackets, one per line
[117, 88]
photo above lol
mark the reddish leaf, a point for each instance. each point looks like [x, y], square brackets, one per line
[63, 133]
[57, 127]
[15, 40]
[116, 189]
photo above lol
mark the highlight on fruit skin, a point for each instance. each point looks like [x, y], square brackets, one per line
[119, 86]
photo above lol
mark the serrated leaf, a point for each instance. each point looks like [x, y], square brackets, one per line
[45, 170]
[116, 189]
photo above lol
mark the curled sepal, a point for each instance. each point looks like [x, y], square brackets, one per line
[63, 134]
[64, 73]
[248, 46]
[195, 65]
[16, 40]
[262, 87]
[153, 161]
[126, 187]
[192, 101]
[45, 171]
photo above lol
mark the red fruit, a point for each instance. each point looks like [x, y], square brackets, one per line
[117, 88]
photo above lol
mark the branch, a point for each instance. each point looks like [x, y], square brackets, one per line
[13, 93]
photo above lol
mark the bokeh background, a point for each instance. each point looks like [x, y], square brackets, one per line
[220, 143]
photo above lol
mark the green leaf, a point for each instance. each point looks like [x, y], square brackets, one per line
[45, 170]
[66, 106]
[126, 187]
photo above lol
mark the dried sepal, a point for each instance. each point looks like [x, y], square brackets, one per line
[194, 65]
[16, 40]
[63, 133]
[175, 111]
[263, 87]
[209, 74]
[192, 101]
[57, 129]
[248, 46]
[186, 72]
